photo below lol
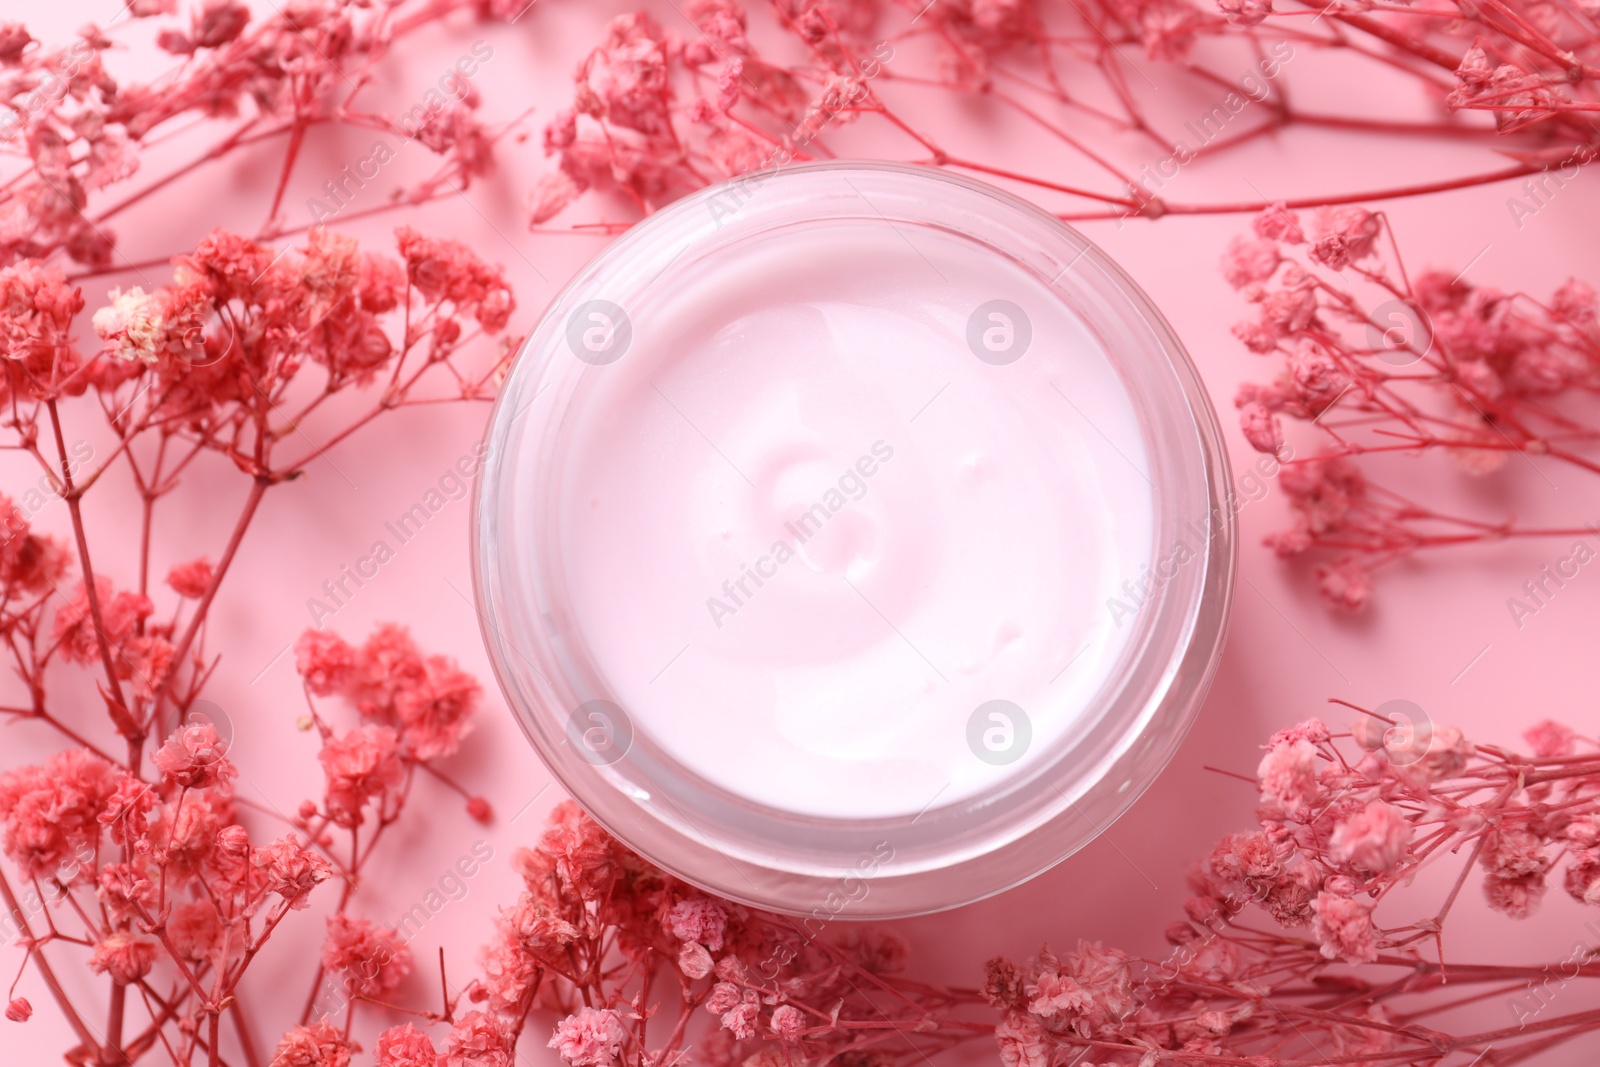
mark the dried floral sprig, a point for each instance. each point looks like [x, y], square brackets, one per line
[1374, 361]
[1288, 955]
[659, 110]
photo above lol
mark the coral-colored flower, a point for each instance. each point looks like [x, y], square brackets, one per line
[1374, 840]
[405, 1046]
[195, 929]
[740, 1019]
[291, 869]
[1288, 775]
[195, 757]
[1343, 927]
[477, 1040]
[18, 1010]
[125, 956]
[191, 579]
[1550, 739]
[1346, 584]
[317, 1045]
[1261, 428]
[371, 959]
[1249, 261]
[698, 918]
[325, 660]
[1022, 1041]
[589, 1037]
[448, 270]
[52, 813]
[1582, 879]
[37, 307]
[581, 852]
[1245, 12]
[788, 1022]
[74, 627]
[363, 766]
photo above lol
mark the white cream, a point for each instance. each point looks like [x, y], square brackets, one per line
[978, 518]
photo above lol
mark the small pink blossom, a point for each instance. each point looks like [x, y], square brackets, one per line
[1346, 585]
[1288, 775]
[363, 766]
[1550, 739]
[195, 929]
[52, 812]
[788, 1022]
[693, 960]
[195, 757]
[74, 627]
[448, 270]
[1056, 996]
[1261, 428]
[1023, 1042]
[477, 1040]
[1248, 261]
[1374, 840]
[1516, 897]
[405, 1046]
[191, 579]
[317, 1045]
[698, 918]
[325, 660]
[1245, 12]
[1344, 235]
[291, 869]
[740, 1020]
[589, 1037]
[371, 959]
[1343, 927]
[125, 956]
[19, 1010]
[724, 997]
[1582, 879]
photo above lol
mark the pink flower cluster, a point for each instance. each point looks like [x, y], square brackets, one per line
[1345, 821]
[1384, 363]
[415, 703]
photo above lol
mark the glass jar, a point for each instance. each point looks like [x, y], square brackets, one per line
[854, 540]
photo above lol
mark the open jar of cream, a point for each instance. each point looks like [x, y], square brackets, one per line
[853, 541]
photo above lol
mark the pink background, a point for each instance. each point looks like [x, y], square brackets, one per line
[1439, 632]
